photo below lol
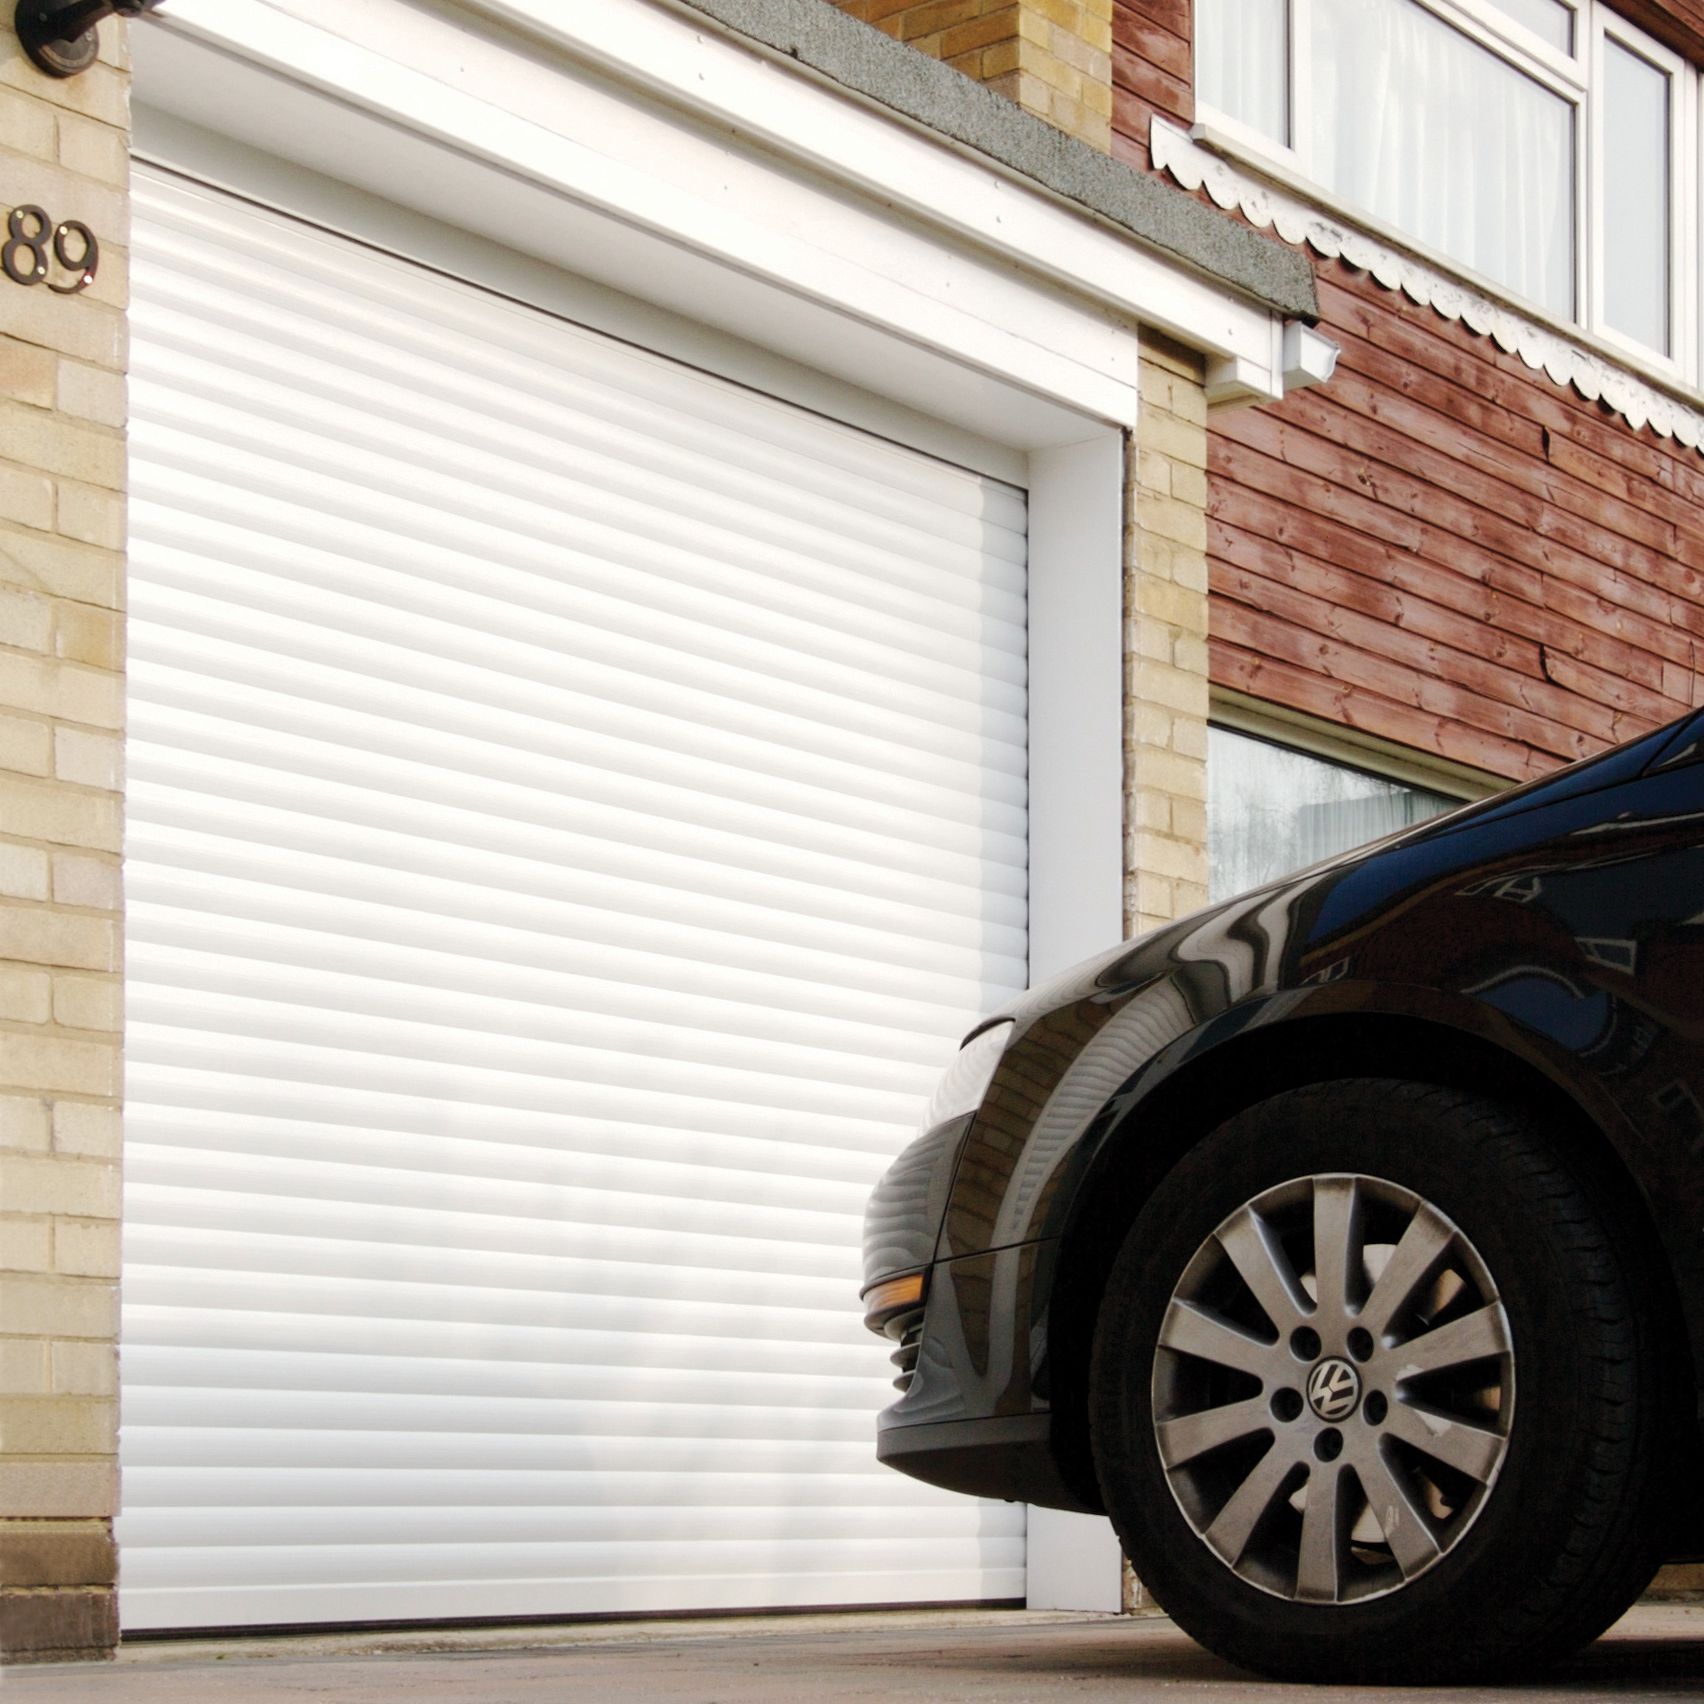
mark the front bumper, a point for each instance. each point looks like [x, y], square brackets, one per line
[902, 1225]
[973, 1413]
[1010, 1458]
[970, 1350]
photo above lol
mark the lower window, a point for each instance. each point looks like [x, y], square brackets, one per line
[1272, 809]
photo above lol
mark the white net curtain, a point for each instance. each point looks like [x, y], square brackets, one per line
[1242, 62]
[1272, 810]
[1418, 123]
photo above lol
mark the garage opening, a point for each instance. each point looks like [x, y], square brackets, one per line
[576, 804]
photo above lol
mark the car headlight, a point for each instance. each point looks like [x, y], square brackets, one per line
[966, 1080]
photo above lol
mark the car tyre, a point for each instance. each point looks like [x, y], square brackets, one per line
[1469, 1488]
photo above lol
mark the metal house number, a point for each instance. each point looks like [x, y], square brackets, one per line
[34, 245]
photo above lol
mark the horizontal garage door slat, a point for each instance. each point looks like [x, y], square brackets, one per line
[622, 831]
[387, 331]
[584, 511]
[260, 958]
[576, 804]
[664, 1290]
[475, 633]
[693, 1316]
[205, 988]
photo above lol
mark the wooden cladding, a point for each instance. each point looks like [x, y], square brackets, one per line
[1676, 23]
[1152, 71]
[1447, 549]
[1441, 546]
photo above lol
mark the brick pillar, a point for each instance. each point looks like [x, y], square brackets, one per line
[1052, 57]
[1165, 643]
[64, 146]
[1165, 665]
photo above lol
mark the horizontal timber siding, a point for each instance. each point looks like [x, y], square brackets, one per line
[1447, 549]
[1152, 71]
[1440, 546]
[1679, 23]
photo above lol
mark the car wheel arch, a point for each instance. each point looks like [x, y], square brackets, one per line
[1153, 1131]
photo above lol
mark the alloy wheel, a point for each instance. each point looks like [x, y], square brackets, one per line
[1333, 1388]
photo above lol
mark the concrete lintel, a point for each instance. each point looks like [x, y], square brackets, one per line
[868, 63]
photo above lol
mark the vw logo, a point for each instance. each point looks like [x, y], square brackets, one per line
[1334, 1387]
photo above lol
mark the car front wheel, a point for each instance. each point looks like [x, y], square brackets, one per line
[1373, 1394]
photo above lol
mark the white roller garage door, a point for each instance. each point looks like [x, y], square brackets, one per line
[575, 805]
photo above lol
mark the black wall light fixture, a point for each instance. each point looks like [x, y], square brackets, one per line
[59, 35]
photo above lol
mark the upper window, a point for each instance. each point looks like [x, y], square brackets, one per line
[1545, 145]
[1552, 21]
[1638, 99]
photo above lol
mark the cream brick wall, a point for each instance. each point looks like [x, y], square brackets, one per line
[1165, 642]
[1052, 57]
[64, 145]
[1165, 665]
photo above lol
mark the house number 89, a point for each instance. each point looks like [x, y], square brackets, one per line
[32, 238]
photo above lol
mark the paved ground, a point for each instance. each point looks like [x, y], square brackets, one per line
[918, 1658]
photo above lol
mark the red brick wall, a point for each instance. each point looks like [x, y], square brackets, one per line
[1446, 548]
[1152, 71]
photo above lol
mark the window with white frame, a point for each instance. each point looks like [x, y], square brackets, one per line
[1547, 145]
[1273, 809]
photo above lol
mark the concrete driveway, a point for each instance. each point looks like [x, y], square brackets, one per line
[941, 1658]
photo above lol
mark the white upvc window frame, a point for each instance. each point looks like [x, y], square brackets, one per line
[1490, 21]
[1575, 77]
[1304, 736]
[1478, 19]
[1681, 360]
[1286, 154]
[1332, 742]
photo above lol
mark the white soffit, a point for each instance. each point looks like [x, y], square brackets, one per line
[679, 166]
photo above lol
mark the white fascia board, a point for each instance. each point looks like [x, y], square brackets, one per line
[935, 182]
[845, 216]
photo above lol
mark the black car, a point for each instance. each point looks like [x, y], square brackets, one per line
[1345, 1242]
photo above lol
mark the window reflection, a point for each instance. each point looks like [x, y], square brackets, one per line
[1272, 809]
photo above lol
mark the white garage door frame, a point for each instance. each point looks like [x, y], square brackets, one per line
[680, 190]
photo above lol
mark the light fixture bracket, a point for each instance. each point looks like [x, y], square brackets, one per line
[60, 36]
